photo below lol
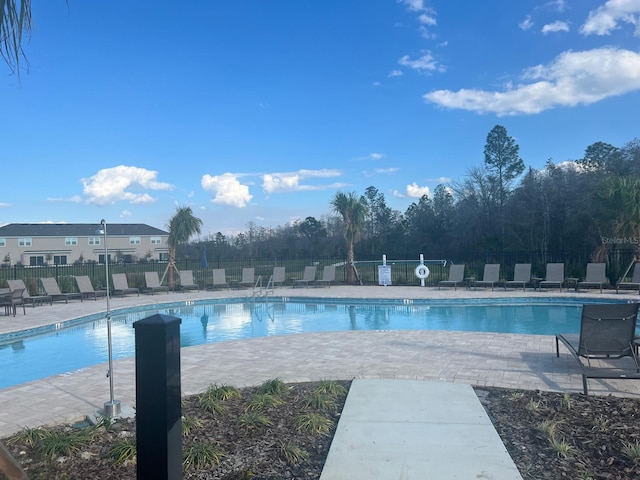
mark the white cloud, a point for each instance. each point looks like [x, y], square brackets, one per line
[293, 181]
[426, 63]
[380, 171]
[111, 185]
[226, 189]
[415, 191]
[526, 24]
[413, 5]
[2, 204]
[557, 26]
[395, 73]
[125, 214]
[608, 17]
[427, 19]
[439, 180]
[573, 78]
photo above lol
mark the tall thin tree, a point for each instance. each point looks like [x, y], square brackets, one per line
[353, 210]
[182, 226]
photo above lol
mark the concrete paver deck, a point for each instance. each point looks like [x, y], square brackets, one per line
[507, 360]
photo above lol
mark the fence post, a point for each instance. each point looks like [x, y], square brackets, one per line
[158, 391]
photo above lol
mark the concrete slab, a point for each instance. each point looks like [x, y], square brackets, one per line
[412, 429]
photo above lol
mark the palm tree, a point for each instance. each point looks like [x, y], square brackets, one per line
[353, 211]
[182, 226]
[15, 22]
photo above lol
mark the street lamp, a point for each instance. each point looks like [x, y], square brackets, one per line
[112, 407]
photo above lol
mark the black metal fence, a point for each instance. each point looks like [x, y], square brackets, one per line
[402, 270]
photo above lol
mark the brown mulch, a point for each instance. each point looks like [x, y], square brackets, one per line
[549, 436]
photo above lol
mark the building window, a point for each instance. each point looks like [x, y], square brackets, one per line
[94, 240]
[36, 260]
[134, 241]
[59, 259]
[24, 242]
[164, 257]
[71, 241]
[3, 242]
[156, 241]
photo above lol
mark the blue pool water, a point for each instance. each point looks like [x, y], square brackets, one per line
[83, 342]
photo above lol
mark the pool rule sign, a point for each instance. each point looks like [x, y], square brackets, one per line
[384, 272]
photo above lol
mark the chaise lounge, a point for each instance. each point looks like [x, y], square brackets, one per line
[121, 285]
[607, 335]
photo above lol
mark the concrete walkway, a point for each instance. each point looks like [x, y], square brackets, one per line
[410, 429]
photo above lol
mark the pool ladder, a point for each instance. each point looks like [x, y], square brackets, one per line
[260, 292]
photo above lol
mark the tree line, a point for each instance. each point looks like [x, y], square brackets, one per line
[586, 209]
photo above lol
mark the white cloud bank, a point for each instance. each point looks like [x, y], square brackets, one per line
[120, 183]
[295, 181]
[412, 191]
[573, 78]
[609, 16]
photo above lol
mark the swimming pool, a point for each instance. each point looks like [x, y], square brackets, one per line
[82, 342]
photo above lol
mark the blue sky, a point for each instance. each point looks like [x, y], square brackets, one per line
[261, 110]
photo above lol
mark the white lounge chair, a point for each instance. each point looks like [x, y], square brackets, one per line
[121, 285]
[328, 276]
[308, 277]
[153, 283]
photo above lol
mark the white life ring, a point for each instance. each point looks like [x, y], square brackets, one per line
[422, 271]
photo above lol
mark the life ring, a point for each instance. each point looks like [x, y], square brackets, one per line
[422, 271]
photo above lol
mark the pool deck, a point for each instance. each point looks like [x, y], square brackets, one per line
[477, 359]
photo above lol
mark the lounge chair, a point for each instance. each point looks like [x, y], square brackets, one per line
[186, 281]
[456, 277]
[248, 277]
[86, 288]
[309, 276]
[521, 276]
[219, 278]
[596, 276]
[121, 285]
[490, 277]
[328, 276]
[11, 300]
[634, 284]
[153, 283]
[32, 299]
[607, 333]
[278, 276]
[52, 289]
[554, 277]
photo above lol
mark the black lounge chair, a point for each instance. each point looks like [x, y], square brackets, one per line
[490, 277]
[554, 277]
[521, 276]
[10, 301]
[596, 276]
[634, 284]
[607, 333]
[456, 277]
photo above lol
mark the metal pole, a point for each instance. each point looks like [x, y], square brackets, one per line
[112, 407]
